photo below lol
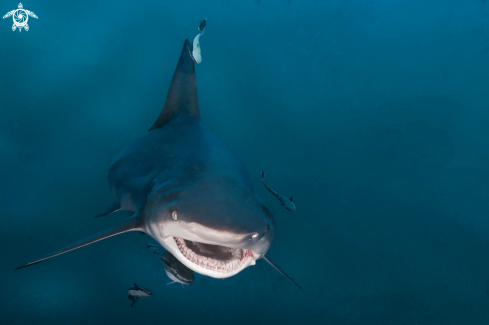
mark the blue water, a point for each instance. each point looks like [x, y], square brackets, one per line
[373, 114]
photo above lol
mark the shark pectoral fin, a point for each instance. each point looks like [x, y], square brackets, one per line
[130, 224]
[170, 282]
[279, 270]
[116, 206]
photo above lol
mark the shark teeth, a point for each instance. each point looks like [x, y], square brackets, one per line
[239, 257]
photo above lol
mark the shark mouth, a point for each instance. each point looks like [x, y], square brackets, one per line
[213, 257]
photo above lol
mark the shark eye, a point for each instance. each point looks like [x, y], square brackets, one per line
[174, 215]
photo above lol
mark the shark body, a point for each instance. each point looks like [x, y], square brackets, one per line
[187, 190]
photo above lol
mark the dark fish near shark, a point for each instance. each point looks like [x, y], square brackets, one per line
[136, 292]
[153, 248]
[187, 190]
[287, 203]
[176, 271]
[202, 25]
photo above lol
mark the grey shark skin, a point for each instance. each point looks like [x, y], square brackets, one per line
[187, 190]
[287, 203]
[136, 292]
[176, 271]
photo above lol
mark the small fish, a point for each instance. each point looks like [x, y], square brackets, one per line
[195, 54]
[202, 25]
[176, 271]
[153, 248]
[134, 293]
[287, 203]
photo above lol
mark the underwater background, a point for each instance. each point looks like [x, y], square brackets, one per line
[373, 114]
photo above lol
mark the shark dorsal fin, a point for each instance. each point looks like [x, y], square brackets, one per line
[182, 95]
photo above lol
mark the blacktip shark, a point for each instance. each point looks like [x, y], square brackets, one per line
[136, 292]
[187, 190]
[196, 55]
[176, 271]
[287, 203]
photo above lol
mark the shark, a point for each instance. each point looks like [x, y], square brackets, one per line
[184, 187]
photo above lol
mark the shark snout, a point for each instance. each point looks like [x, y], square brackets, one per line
[262, 242]
[258, 241]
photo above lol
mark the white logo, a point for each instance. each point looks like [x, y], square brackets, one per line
[20, 17]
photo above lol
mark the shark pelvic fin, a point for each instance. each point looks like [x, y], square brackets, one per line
[280, 271]
[182, 95]
[116, 206]
[130, 224]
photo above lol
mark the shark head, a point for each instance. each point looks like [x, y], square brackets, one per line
[214, 228]
[187, 190]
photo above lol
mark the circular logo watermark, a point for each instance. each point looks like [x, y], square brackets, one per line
[20, 17]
